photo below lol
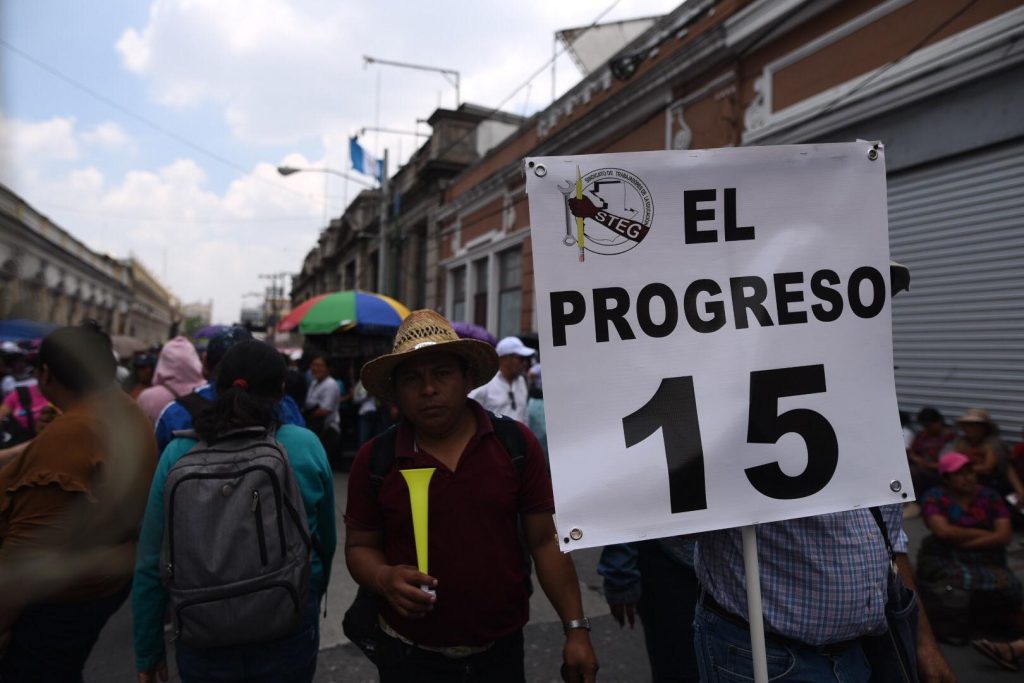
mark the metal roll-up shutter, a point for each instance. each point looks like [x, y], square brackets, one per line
[958, 334]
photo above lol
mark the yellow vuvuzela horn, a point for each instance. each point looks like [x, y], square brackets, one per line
[418, 481]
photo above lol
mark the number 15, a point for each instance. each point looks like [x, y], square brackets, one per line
[673, 410]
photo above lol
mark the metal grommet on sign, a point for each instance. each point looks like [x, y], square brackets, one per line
[575, 534]
[872, 154]
[540, 171]
[226, 490]
[895, 486]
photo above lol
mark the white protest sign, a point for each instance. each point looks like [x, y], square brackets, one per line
[716, 338]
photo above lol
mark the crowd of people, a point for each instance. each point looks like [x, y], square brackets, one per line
[200, 485]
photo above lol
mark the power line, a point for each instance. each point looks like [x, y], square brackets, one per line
[142, 119]
[921, 43]
[126, 217]
[558, 53]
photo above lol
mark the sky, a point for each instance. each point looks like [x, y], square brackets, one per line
[154, 129]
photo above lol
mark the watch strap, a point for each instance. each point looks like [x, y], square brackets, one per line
[582, 622]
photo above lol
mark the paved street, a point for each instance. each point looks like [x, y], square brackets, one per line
[621, 652]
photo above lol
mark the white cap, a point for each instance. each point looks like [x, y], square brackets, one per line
[513, 346]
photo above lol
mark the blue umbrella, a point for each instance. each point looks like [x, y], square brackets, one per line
[20, 330]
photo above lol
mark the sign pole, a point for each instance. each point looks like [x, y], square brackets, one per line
[755, 616]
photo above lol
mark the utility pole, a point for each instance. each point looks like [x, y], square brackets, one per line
[276, 291]
[382, 258]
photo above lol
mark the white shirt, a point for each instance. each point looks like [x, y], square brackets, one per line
[498, 396]
[325, 394]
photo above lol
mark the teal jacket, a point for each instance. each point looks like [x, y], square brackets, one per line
[149, 597]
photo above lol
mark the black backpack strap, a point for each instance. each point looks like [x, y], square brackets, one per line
[877, 514]
[25, 398]
[382, 451]
[382, 457]
[511, 437]
[193, 403]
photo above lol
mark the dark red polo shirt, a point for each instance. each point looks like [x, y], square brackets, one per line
[474, 548]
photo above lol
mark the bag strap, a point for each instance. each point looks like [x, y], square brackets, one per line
[512, 440]
[25, 398]
[382, 456]
[193, 403]
[880, 521]
[382, 451]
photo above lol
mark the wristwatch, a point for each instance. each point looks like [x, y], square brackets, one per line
[583, 622]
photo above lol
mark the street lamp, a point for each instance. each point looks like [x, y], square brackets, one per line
[288, 170]
[381, 256]
[393, 131]
[450, 75]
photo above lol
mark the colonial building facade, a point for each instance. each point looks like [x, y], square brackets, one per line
[938, 82]
[48, 275]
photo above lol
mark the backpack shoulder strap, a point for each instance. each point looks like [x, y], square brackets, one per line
[511, 438]
[382, 456]
[382, 451]
[193, 403]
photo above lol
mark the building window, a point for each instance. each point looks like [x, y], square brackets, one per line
[480, 276]
[459, 293]
[350, 276]
[510, 291]
[372, 262]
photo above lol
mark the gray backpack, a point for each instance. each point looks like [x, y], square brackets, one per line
[236, 551]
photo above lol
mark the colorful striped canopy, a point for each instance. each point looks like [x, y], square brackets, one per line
[349, 310]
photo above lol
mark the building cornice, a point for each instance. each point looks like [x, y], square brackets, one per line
[972, 54]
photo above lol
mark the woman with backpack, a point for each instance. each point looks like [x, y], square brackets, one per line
[233, 533]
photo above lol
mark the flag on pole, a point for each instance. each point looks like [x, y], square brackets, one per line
[364, 162]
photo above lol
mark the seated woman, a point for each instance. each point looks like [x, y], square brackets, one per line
[926, 447]
[979, 441]
[965, 557]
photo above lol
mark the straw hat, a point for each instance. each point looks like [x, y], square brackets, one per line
[422, 332]
[975, 415]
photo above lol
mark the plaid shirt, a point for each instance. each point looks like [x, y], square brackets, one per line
[823, 579]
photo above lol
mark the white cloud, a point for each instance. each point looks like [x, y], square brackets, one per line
[281, 73]
[284, 71]
[207, 244]
[49, 140]
[108, 135]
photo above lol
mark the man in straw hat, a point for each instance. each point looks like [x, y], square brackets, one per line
[469, 628]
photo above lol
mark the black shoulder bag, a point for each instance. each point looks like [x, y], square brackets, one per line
[893, 654]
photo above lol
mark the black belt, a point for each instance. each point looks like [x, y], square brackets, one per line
[828, 649]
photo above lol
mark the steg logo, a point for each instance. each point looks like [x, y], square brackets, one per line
[608, 212]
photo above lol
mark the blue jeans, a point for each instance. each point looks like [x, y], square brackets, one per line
[290, 659]
[50, 643]
[723, 653]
